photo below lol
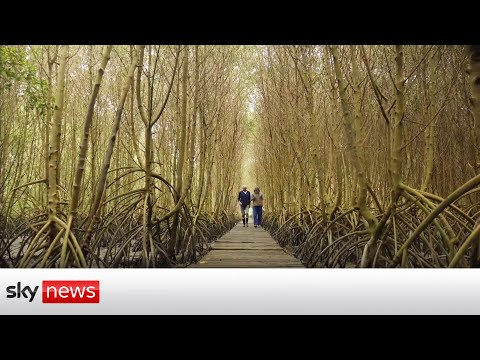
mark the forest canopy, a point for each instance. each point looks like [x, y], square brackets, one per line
[132, 156]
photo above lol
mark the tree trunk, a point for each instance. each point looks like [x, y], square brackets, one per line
[54, 148]
[181, 156]
[92, 216]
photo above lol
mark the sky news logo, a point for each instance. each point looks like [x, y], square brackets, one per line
[58, 292]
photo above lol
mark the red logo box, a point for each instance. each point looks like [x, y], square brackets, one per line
[71, 291]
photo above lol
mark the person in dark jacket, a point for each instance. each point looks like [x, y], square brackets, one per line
[244, 202]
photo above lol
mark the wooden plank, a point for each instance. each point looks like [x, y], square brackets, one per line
[244, 247]
[247, 265]
[238, 241]
[247, 247]
[257, 256]
[252, 264]
[225, 262]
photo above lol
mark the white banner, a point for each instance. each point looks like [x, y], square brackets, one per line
[239, 291]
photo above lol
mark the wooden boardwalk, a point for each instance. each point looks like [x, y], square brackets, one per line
[247, 247]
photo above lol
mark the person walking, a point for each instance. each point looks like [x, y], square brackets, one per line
[244, 202]
[257, 203]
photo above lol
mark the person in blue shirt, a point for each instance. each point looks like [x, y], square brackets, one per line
[257, 204]
[244, 202]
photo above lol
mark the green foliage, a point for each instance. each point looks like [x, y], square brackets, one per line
[16, 68]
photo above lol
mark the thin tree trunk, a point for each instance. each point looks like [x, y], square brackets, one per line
[55, 135]
[193, 136]
[82, 156]
[181, 156]
[92, 216]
